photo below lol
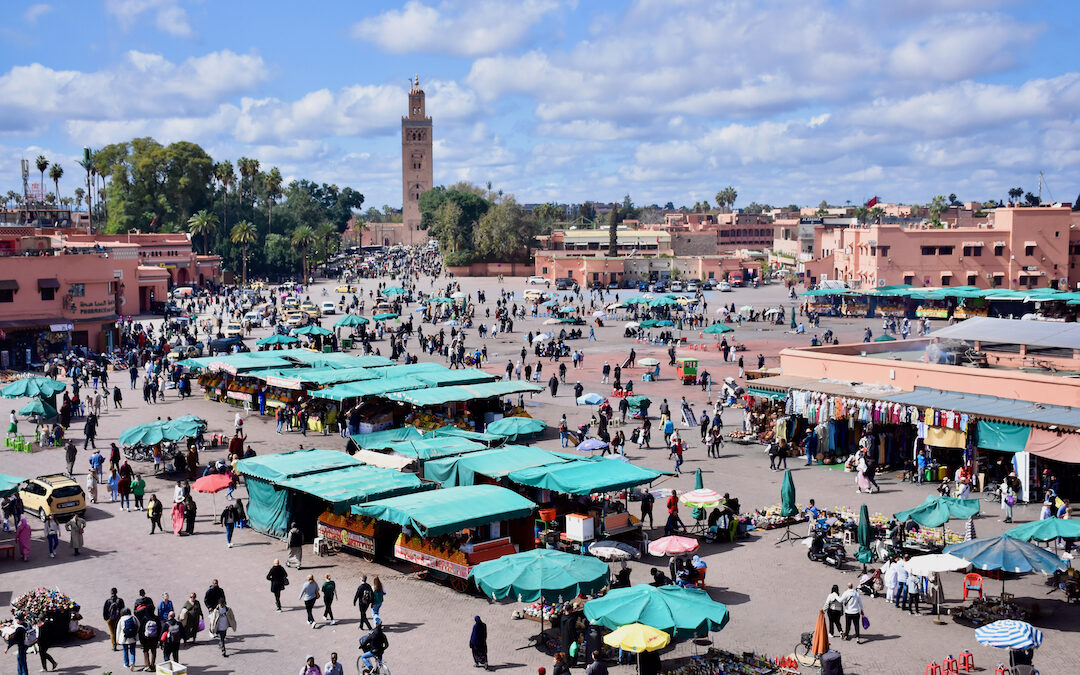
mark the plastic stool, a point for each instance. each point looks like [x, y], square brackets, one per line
[949, 665]
[967, 661]
[8, 442]
[1001, 669]
[933, 669]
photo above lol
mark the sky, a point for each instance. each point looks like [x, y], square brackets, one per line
[790, 101]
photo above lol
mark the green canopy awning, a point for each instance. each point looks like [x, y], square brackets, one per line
[313, 330]
[936, 511]
[376, 387]
[683, 612]
[409, 369]
[717, 328]
[449, 510]
[766, 393]
[286, 465]
[350, 321]
[33, 386]
[1003, 437]
[477, 436]
[277, 339]
[443, 395]
[239, 363]
[445, 378]
[497, 464]
[513, 428]
[540, 573]
[381, 440]
[350, 485]
[433, 448]
[9, 484]
[586, 476]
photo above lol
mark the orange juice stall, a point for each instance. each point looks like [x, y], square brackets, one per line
[443, 533]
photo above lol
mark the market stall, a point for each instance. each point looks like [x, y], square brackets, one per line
[446, 532]
[489, 465]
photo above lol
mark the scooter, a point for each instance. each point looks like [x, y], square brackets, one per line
[827, 550]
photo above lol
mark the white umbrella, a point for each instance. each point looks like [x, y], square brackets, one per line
[552, 322]
[600, 315]
[541, 337]
[935, 563]
[632, 324]
[615, 305]
[770, 311]
[745, 309]
[612, 550]
[457, 295]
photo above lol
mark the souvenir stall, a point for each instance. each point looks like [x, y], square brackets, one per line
[444, 533]
[53, 611]
[467, 406]
[764, 409]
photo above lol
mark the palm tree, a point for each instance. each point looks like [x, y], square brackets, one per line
[328, 236]
[202, 224]
[56, 172]
[248, 168]
[243, 233]
[223, 172]
[302, 238]
[1015, 194]
[273, 191]
[79, 194]
[87, 162]
[42, 164]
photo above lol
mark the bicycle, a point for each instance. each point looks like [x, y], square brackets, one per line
[804, 650]
[380, 667]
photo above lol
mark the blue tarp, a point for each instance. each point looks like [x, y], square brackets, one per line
[1003, 437]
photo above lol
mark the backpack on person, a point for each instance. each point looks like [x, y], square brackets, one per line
[175, 633]
[367, 596]
[130, 628]
[150, 630]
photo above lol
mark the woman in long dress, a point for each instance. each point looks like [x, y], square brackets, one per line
[178, 517]
[22, 536]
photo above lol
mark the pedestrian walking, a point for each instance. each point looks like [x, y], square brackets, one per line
[363, 599]
[478, 643]
[178, 514]
[834, 609]
[294, 540]
[377, 601]
[329, 594]
[310, 667]
[228, 521]
[172, 635]
[190, 510]
[333, 666]
[70, 454]
[279, 579]
[52, 534]
[153, 512]
[853, 611]
[191, 617]
[309, 593]
[128, 629]
[222, 621]
[647, 501]
[111, 613]
[76, 527]
[138, 490]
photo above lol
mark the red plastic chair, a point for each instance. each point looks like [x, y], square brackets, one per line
[933, 669]
[950, 666]
[967, 661]
[973, 582]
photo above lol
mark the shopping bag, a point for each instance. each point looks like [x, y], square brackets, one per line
[865, 622]
[202, 625]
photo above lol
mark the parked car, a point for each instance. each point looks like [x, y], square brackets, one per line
[533, 294]
[725, 287]
[296, 319]
[328, 307]
[345, 289]
[53, 495]
[226, 345]
[564, 284]
[692, 287]
[234, 330]
[538, 281]
[676, 287]
[643, 286]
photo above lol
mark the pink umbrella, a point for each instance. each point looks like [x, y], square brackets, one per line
[215, 482]
[672, 546]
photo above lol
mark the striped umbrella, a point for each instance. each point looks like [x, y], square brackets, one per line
[1009, 634]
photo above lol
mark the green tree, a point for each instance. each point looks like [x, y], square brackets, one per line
[42, 164]
[1015, 194]
[861, 213]
[588, 212]
[273, 193]
[79, 194]
[876, 214]
[613, 233]
[726, 197]
[226, 177]
[328, 238]
[754, 207]
[56, 172]
[629, 211]
[450, 228]
[243, 234]
[937, 206]
[87, 163]
[202, 224]
[302, 239]
[953, 201]
[505, 232]
[248, 169]
[1032, 199]
[278, 252]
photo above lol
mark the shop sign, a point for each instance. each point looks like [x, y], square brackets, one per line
[239, 395]
[100, 307]
[61, 327]
[346, 537]
[425, 560]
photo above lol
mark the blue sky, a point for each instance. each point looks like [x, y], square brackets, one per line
[568, 100]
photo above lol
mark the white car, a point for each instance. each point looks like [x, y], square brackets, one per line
[692, 287]
[537, 281]
[328, 308]
[676, 287]
[234, 330]
[725, 287]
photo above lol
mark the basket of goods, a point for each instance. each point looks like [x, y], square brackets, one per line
[57, 612]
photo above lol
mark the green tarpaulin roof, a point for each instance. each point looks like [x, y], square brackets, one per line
[585, 476]
[376, 387]
[317, 376]
[441, 395]
[433, 448]
[497, 463]
[285, 465]
[462, 433]
[9, 484]
[381, 440]
[410, 369]
[238, 362]
[449, 510]
[452, 377]
[355, 485]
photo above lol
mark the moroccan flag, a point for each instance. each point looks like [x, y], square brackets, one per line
[873, 200]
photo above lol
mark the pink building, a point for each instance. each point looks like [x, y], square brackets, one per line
[171, 252]
[1029, 247]
[57, 294]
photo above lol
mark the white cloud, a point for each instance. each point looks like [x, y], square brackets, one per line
[169, 16]
[36, 11]
[141, 85]
[461, 29]
[960, 47]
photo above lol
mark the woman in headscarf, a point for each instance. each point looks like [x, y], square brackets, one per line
[189, 515]
[478, 643]
[22, 536]
[177, 517]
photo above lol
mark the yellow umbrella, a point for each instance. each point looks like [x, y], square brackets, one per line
[637, 637]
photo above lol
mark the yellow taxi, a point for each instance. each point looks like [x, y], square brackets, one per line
[53, 495]
[296, 319]
[290, 303]
[234, 330]
[345, 289]
[311, 310]
[533, 294]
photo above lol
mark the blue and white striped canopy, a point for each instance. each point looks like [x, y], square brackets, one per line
[1009, 634]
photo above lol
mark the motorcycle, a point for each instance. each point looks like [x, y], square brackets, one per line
[827, 550]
